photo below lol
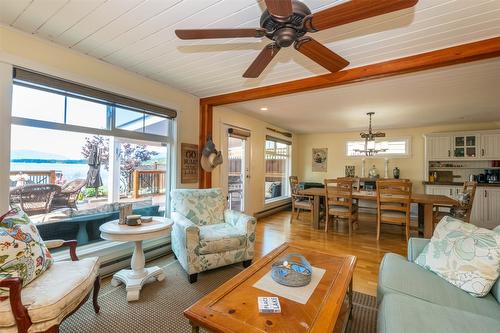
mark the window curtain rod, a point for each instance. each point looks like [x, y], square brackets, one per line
[287, 134]
[273, 138]
[40, 79]
[238, 133]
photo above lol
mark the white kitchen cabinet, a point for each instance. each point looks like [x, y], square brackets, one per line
[439, 147]
[490, 146]
[480, 145]
[492, 210]
[448, 190]
[478, 207]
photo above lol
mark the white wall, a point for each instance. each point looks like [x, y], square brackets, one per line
[24, 50]
[255, 191]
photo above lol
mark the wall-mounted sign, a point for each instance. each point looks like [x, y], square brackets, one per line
[190, 163]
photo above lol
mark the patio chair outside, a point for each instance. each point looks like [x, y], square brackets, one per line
[36, 199]
[68, 195]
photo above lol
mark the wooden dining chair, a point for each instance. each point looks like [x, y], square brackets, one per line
[339, 202]
[299, 201]
[462, 210]
[393, 204]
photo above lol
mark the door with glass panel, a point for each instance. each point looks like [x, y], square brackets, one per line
[236, 169]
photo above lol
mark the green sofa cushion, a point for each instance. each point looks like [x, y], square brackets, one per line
[399, 313]
[399, 276]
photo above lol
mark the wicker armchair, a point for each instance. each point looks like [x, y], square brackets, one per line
[68, 195]
[34, 199]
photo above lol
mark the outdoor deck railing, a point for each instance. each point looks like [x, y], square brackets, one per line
[152, 181]
[36, 176]
[143, 181]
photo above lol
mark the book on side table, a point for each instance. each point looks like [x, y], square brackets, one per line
[234, 306]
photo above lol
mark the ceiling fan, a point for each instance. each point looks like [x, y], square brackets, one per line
[287, 22]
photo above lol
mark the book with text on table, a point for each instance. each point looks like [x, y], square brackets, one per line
[269, 304]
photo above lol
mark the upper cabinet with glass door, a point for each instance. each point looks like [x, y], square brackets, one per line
[465, 146]
[481, 145]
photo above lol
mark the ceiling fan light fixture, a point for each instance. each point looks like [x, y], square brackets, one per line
[286, 22]
[264, 108]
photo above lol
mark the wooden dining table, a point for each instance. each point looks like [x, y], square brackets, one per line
[425, 203]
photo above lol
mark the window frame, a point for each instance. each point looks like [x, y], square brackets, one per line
[169, 140]
[406, 139]
[111, 129]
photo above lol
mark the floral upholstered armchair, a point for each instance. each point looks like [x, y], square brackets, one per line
[205, 235]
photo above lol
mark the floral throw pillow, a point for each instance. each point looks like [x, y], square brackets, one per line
[22, 251]
[464, 255]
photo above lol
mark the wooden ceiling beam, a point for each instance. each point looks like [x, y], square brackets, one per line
[484, 49]
[464, 53]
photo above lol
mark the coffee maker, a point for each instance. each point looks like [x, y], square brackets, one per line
[492, 176]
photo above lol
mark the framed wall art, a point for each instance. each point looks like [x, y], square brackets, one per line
[319, 159]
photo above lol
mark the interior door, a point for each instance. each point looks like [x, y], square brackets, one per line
[236, 170]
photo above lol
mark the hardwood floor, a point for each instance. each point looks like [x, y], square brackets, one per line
[277, 229]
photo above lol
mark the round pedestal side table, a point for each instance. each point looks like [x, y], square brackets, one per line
[138, 275]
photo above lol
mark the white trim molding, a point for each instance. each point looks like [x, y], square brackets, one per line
[5, 120]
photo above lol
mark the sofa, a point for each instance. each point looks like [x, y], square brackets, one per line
[413, 299]
[205, 235]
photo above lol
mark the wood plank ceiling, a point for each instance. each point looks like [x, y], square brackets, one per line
[138, 35]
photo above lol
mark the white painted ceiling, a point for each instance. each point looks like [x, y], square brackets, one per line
[138, 35]
[458, 94]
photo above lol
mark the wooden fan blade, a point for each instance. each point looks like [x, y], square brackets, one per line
[263, 59]
[219, 33]
[354, 10]
[280, 8]
[320, 54]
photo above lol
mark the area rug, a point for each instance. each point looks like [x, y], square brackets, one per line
[161, 305]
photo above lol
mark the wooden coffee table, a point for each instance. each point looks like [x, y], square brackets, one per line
[233, 306]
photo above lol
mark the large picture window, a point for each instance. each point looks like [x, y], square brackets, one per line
[57, 135]
[278, 167]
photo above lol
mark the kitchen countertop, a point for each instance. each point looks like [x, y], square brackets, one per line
[460, 184]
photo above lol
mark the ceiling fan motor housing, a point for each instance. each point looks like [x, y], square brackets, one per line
[285, 30]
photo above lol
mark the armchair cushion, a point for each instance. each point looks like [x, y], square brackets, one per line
[53, 295]
[22, 251]
[221, 237]
[202, 207]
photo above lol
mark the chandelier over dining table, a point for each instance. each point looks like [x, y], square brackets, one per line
[371, 147]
